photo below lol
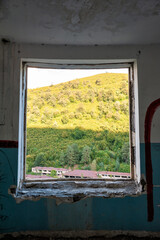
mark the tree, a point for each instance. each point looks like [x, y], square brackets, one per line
[117, 165]
[86, 155]
[93, 165]
[53, 174]
[76, 152]
[125, 152]
[62, 159]
[70, 157]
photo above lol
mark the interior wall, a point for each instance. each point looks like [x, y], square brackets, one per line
[129, 213]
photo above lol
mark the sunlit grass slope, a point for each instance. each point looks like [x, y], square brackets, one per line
[89, 112]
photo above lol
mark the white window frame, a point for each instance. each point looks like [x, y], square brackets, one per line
[79, 188]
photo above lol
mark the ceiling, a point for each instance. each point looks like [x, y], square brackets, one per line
[80, 22]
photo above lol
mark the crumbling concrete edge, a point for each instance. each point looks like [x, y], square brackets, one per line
[83, 234]
[73, 191]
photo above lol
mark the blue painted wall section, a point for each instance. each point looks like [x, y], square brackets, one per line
[129, 213]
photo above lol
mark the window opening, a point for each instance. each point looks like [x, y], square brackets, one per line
[77, 124]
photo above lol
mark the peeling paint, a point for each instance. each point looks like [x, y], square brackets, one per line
[94, 22]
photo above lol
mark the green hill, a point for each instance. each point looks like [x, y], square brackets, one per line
[83, 124]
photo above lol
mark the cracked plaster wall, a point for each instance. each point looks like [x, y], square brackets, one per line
[129, 213]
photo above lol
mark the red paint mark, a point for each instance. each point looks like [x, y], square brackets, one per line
[149, 171]
[8, 144]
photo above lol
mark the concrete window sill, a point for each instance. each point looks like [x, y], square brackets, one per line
[71, 191]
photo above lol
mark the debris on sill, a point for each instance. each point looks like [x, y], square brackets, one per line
[73, 191]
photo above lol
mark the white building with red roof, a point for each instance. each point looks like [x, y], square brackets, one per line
[66, 173]
[47, 170]
[81, 174]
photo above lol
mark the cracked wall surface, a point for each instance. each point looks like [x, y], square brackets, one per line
[127, 213]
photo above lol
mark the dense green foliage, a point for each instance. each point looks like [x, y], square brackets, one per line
[82, 124]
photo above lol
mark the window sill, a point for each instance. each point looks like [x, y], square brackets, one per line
[72, 191]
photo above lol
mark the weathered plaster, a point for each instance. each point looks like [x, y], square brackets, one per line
[85, 22]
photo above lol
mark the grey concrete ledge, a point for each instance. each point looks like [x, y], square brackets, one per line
[71, 191]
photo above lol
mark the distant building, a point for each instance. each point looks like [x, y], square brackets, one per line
[66, 173]
[106, 174]
[81, 174]
[47, 170]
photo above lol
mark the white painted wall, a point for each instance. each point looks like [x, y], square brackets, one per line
[147, 56]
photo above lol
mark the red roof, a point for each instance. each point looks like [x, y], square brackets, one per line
[81, 173]
[29, 176]
[51, 168]
[114, 173]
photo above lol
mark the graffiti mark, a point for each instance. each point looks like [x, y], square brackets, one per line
[148, 161]
[8, 144]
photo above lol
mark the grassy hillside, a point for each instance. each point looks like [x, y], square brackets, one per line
[82, 124]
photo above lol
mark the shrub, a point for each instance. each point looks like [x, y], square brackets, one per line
[124, 88]
[43, 118]
[93, 115]
[48, 113]
[98, 136]
[116, 116]
[80, 108]
[35, 111]
[53, 174]
[40, 103]
[87, 116]
[79, 95]
[64, 120]
[124, 107]
[47, 95]
[72, 98]
[78, 115]
[64, 111]
[87, 168]
[117, 105]
[75, 84]
[77, 134]
[64, 134]
[98, 82]
[71, 115]
[102, 145]
[110, 95]
[52, 101]
[63, 102]
[85, 98]
[56, 113]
